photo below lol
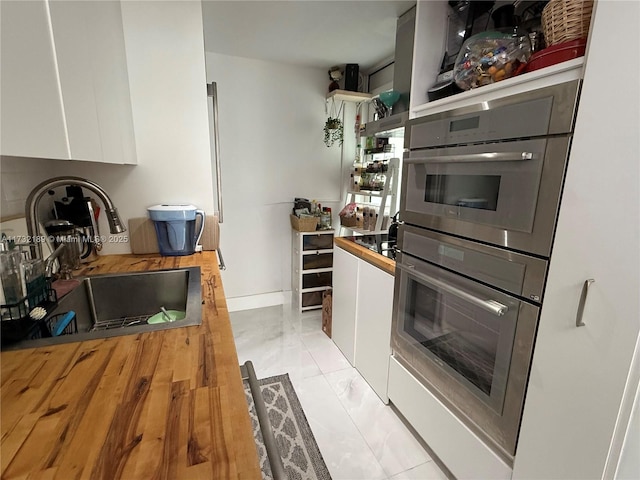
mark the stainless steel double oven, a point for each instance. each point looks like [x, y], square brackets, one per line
[481, 189]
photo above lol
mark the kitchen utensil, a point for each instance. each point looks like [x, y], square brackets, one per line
[65, 233]
[557, 54]
[166, 314]
[381, 109]
[490, 57]
[393, 230]
[389, 99]
[13, 285]
[143, 238]
[63, 322]
[176, 228]
[37, 313]
[173, 315]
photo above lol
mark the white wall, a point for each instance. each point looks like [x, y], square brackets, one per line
[271, 119]
[165, 46]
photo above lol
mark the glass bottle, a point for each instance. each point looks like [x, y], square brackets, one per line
[13, 285]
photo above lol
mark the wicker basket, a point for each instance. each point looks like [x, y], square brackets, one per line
[305, 224]
[564, 20]
[353, 221]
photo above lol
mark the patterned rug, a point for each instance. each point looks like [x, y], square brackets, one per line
[297, 446]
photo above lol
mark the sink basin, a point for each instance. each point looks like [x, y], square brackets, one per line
[120, 304]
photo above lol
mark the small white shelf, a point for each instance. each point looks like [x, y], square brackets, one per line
[349, 96]
[370, 193]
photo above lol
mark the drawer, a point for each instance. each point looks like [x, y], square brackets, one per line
[313, 280]
[317, 241]
[310, 299]
[319, 260]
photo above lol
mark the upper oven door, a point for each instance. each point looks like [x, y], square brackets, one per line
[503, 193]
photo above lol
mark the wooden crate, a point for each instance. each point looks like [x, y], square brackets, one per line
[327, 302]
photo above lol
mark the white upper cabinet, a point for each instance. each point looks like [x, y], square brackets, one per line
[90, 49]
[31, 109]
[81, 47]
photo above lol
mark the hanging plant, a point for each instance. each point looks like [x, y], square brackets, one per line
[333, 131]
[333, 127]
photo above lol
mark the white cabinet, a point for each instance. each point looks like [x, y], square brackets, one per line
[65, 84]
[578, 376]
[32, 118]
[312, 267]
[345, 291]
[361, 319]
[90, 50]
[373, 326]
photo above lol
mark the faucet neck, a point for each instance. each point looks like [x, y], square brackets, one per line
[33, 200]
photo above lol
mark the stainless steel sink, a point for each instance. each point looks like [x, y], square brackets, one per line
[120, 304]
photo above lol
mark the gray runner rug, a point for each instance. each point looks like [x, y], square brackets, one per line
[297, 446]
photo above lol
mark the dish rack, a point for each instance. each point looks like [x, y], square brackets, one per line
[46, 328]
[16, 325]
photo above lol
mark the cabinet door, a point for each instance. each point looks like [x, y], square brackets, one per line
[373, 326]
[343, 319]
[32, 119]
[579, 374]
[94, 80]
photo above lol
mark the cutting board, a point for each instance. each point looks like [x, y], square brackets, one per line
[142, 235]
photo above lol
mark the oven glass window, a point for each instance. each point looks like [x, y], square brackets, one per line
[472, 191]
[468, 340]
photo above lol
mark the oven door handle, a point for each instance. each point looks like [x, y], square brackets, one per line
[474, 157]
[491, 306]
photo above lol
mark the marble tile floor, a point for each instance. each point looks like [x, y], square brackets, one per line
[360, 438]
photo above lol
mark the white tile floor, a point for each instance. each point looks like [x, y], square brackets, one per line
[360, 438]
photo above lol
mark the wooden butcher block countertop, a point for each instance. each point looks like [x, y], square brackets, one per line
[367, 255]
[166, 404]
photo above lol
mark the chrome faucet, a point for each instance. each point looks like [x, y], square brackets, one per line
[33, 200]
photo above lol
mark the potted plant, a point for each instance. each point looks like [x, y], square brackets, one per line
[333, 131]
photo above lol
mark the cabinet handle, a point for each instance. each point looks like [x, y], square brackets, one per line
[583, 300]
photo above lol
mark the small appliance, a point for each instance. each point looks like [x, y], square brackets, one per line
[176, 228]
[351, 77]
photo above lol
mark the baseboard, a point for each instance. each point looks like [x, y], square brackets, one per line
[250, 302]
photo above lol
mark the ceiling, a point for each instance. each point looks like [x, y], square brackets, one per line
[311, 33]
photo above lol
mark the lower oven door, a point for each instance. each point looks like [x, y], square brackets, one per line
[468, 343]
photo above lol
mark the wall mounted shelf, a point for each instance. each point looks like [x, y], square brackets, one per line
[349, 96]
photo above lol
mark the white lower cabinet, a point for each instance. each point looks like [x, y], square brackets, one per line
[361, 318]
[463, 453]
[345, 291]
[373, 326]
